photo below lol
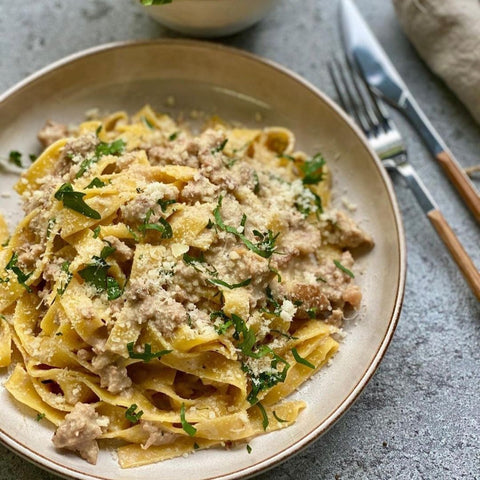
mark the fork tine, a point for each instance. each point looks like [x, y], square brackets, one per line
[344, 93]
[381, 111]
[371, 115]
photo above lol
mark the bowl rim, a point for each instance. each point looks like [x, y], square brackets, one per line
[279, 457]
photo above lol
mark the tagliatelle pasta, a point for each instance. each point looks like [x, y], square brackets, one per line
[170, 291]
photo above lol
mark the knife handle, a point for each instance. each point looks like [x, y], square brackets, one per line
[458, 253]
[461, 182]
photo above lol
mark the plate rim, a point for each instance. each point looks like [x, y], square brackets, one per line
[279, 457]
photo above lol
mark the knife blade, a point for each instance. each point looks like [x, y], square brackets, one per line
[367, 55]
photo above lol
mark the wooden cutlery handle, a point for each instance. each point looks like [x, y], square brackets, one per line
[462, 183]
[464, 262]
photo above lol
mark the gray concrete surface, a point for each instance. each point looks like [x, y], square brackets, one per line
[419, 418]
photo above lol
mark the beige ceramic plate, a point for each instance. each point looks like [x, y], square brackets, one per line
[237, 86]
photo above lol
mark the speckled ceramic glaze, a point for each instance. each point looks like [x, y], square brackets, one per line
[239, 87]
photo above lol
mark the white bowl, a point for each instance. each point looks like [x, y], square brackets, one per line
[210, 18]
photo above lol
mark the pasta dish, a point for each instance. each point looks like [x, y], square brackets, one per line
[168, 290]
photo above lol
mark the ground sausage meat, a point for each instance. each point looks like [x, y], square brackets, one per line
[51, 132]
[79, 431]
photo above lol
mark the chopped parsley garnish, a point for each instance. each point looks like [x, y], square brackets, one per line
[266, 379]
[40, 416]
[96, 183]
[187, 427]
[247, 344]
[196, 446]
[96, 274]
[165, 203]
[264, 415]
[173, 136]
[313, 170]
[147, 353]
[321, 279]
[74, 201]
[131, 415]
[155, 2]
[287, 157]
[276, 272]
[344, 269]
[115, 148]
[278, 419]
[256, 183]
[272, 302]
[305, 204]
[283, 334]
[162, 226]
[59, 334]
[265, 246]
[228, 285]
[21, 277]
[200, 264]
[249, 448]
[69, 275]
[219, 147]
[107, 250]
[148, 123]
[302, 360]
[15, 157]
[32, 157]
[96, 231]
[98, 130]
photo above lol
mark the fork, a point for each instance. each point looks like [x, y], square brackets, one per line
[384, 137]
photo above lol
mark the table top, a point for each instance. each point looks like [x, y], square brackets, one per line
[419, 415]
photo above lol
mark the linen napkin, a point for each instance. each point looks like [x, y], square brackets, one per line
[446, 34]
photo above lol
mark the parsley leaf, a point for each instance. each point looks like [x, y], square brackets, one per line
[131, 415]
[256, 183]
[313, 170]
[162, 226]
[199, 264]
[165, 203]
[190, 429]
[69, 275]
[15, 157]
[21, 277]
[96, 183]
[95, 273]
[249, 449]
[147, 354]
[96, 231]
[74, 201]
[148, 123]
[219, 147]
[115, 148]
[264, 415]
[302, 360]
[265, 247]
[40, 416]
[228, 285]
[277, 418]
[344, 269]
[173, 136]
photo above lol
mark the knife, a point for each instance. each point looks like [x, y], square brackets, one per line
[366, 54]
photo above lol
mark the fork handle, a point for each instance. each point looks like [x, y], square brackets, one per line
[461, 182]
[464, 262]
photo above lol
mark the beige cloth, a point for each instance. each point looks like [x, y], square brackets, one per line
[446, 33]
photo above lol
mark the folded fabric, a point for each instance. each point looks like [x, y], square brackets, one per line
[446, 34]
